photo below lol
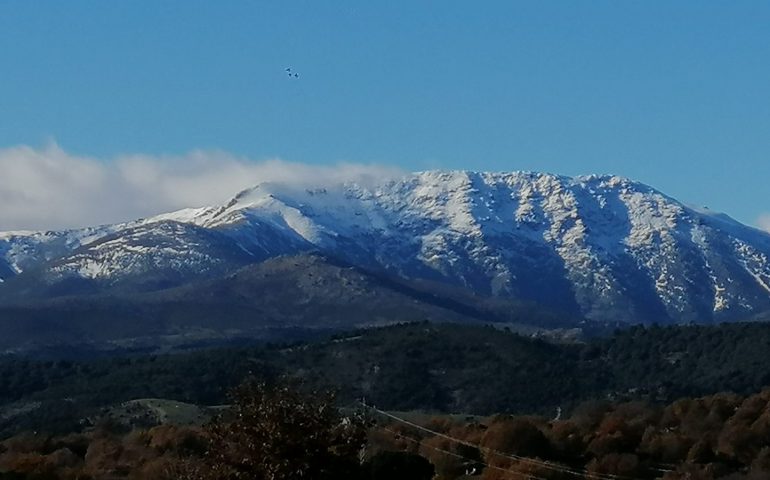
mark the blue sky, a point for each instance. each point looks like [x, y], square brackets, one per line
[675, 94]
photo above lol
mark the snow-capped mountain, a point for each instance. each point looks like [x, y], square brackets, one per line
[602, 246]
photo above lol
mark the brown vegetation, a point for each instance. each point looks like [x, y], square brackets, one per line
[281, 433]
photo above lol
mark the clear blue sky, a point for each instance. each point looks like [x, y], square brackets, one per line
[672, 93]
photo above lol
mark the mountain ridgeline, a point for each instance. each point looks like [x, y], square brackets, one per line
[595, 249]
[282, 298]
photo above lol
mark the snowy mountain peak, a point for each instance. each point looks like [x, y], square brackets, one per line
[601, 246]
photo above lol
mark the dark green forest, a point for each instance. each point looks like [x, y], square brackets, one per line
[438, 368]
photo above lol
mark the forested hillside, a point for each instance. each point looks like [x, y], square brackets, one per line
[429, 367]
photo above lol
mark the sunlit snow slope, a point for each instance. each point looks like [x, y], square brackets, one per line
[605, 247]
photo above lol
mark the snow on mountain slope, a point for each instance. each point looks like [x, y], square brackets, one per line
[24, 250]
[602, 246]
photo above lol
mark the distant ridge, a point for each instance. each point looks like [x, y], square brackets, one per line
[603, 248]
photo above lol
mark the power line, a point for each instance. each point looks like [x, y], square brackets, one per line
[528, 476]
[539, 463]
[582, 473]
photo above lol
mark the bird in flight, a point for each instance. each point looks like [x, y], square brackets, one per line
[291, 74]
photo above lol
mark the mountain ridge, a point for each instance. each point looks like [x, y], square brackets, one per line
[282, 297]
[599, 246]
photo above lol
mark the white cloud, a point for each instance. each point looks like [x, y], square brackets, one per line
[48, 188]
[763, 222]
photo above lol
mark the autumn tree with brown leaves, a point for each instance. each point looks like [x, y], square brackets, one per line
[280, 432]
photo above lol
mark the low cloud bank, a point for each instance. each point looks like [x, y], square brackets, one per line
[48, 188]
[763, 222]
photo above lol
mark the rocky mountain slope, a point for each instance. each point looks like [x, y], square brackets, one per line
[280, 298]
[602, 247]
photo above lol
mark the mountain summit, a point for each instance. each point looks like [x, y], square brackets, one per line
[601, 247]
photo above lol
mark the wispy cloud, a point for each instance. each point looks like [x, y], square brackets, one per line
[48, 188]
[763, 222]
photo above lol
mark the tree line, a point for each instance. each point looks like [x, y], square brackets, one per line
[430, 367]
